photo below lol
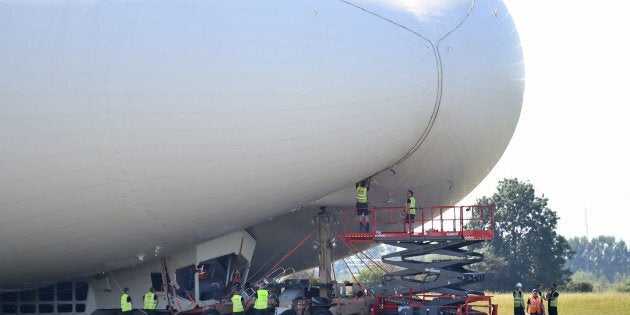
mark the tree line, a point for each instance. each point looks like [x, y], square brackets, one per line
[602, 261]
[526, 247]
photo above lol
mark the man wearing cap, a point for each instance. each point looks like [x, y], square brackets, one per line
[534, 303]
[519, 304]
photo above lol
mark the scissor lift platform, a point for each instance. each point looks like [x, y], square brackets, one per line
[427, 282]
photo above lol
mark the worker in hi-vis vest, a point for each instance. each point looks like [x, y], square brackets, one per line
[125, 302]
[519, 302]
[362, 205]
[262, 299]
[552, 297]
[150, 301]
[237, 301]
[410, 211]
[534, 304]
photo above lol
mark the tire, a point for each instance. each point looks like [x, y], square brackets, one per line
[211, 312]
[289, 312]
[321, 311]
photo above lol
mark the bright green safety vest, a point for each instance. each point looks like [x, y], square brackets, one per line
[124, 305]
[149, 301]
[412, 207]
[237, 303]
[554, 303]
[261, 300]
[518, 299]
[362, 194]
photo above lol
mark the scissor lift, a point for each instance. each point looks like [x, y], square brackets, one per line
[432, 265]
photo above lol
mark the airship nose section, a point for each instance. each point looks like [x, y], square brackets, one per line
[468, 61]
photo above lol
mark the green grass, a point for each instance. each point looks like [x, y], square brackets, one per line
[612, 303]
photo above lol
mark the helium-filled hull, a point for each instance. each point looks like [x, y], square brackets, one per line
[135, 124]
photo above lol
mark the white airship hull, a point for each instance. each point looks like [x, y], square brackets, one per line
[135, 124]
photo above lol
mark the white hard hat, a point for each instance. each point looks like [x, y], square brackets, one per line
[519, 285]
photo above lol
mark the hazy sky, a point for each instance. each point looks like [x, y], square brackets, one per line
[572, 139]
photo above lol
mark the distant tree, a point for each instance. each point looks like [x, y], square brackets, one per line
[623, 287]
[599, 283]
[372, 277]
[603, 256]
[526, 247]
[580, 286]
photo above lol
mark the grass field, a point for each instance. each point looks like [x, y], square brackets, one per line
[612, 303]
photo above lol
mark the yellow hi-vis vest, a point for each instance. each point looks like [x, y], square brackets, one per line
[412, 205]
[237, 303]
[362, 194]
[518, 299]
[149, 301]
[261, 299]
[554, 303]
[124, 305]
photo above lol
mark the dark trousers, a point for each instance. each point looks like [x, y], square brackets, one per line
[553, 310]
[519, 310]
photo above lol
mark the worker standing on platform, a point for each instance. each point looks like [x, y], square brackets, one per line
[150, 301]
[410, 211]
[125, 302]
[237, 301]
[362, 204]
[519, 303]
[262, 299]
[534, 303]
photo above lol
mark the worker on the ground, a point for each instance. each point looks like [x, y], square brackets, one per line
[262, 299]
[534, 304]
[552, 298]
[237, 301]
[519, 302]
[150, 301]
[362, 204]
[541, 293]
[125, 302]
[410, 211]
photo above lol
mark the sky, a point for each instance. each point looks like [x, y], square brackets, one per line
[571, 142]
